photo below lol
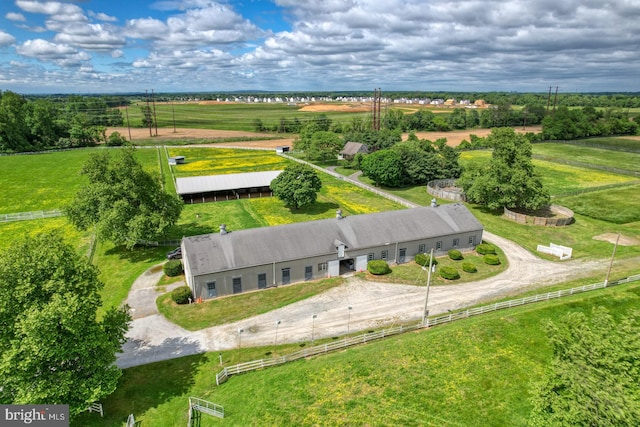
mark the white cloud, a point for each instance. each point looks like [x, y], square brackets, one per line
[60, 54]
[102, 16]
[13, 16]
[6, 39]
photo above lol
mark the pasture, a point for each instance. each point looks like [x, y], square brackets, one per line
[428, 377]
[208, 161]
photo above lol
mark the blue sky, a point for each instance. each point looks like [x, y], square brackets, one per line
[109, 46]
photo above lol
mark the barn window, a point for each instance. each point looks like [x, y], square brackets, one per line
[286, 276]
[439, 245]
[322, 266]
[456, 242]
[370, 256]
[422, 248]
[384, 255]
[211, 290]
[472, 240]
[262, 281]
[308, 272]
[237, 285]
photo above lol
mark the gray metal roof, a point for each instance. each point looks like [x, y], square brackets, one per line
[353, 148]
[244, 248]
[232, 181]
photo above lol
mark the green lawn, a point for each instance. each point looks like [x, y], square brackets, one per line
[221, 311]
[49, 180]
[13, 231]
[614, 143]
[616, 205]
[427, 378]
[589, 155]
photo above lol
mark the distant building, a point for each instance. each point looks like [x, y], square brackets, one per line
[231, 262]
[213, 188]
[351, 149]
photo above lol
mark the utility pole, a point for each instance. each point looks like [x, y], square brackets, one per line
[548, 99]
[555, 99]
[155, 120]
[425, 313]
[147, 114]
[377, 98]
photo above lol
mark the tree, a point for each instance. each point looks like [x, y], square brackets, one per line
[324, 146]
[53, 348]
[297, 185]
[592, 380]
[125, 203]
[384, 167]
[509, 180]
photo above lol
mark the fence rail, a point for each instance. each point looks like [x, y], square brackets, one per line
[226, 372]
[206, 407]
[25, 216]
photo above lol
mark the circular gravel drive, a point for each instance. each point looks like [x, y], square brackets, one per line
[355, 306]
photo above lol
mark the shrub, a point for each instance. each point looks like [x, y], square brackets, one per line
[423, 260]
[485, 249]
[455, 255]
[181, 295]
[467, 267]
[378, 267]
[449, 273]
[172, 268]
[491, 259]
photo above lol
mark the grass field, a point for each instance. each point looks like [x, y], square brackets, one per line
[617, 205]
[590, 155]
[426, 378]
[629, 144]
[232, 116]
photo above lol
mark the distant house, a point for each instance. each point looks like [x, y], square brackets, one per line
[351, 149]
[231, 262]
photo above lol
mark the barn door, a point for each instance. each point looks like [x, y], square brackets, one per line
[334, 268]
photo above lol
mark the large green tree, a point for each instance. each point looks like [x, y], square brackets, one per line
[297, 185]
[593, 377]
[509, 179]
[325, 145]
[384, 167]
[123, 201]
[53, 348]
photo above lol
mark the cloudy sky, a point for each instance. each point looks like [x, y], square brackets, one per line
[92, 46]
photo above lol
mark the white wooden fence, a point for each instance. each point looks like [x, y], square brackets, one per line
[25, 216]
[222, 376]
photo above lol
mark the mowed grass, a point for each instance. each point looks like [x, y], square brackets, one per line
[221, 311]
[616, 205]
[589, 155]
[34, 182]
[480, 368]
[615, 143]
[18, 230]
[231, 116]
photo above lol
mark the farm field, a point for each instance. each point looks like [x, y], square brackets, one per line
[236, 116]
[628, 143]
[617, 205]
[430, 376]
[208, 161]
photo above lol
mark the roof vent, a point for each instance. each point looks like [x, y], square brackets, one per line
[339, 214]
[223, 229]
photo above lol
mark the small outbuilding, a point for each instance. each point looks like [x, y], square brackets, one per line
[351, 149]
[176, 160]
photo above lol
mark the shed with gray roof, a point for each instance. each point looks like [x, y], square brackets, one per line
[232, 262]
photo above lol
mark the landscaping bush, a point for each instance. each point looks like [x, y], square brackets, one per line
[423, 260]
[467, 267]
[449, 273]
[172, 268]
[181, 295]
[455, 255]
[378, 267]
[491, 259]
[485, 249]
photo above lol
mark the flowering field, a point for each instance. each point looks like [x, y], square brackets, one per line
[213, 161]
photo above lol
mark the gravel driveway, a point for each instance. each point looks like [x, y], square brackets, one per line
[356, 306]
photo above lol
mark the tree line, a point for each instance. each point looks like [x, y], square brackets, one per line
[42, 123]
